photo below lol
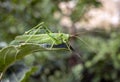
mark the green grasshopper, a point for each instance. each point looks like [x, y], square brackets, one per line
[47, 38]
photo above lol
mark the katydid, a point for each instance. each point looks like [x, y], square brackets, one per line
[48, 38]
[57, 38]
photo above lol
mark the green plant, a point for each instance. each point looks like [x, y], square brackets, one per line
[14, 52]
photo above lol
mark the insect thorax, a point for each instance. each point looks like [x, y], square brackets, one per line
[62, 38]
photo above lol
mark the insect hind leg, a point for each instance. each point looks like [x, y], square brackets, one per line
[29, 31]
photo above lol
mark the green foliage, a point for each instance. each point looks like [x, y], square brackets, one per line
[29, 73]
[102, 64]
[11, 54]
[82, 7]
[101, 58]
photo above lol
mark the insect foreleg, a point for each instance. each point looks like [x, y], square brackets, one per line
[68, 46]
[52, 45]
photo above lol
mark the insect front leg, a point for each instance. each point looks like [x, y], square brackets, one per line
[68, 46]
[52, 45]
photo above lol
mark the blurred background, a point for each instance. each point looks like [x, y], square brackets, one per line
[97, 24]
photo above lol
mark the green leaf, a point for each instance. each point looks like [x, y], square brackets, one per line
[30, 72]
[7, 56]
[11, 54]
